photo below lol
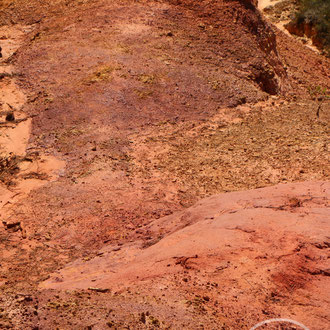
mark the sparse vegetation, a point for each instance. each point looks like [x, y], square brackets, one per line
[147, 79]
[318, 91]
[316, 13]
[265, 148]
[142, 94]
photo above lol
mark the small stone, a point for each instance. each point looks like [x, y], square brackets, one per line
[24, 234]
[99, 290]
[143, 318]
[10, 116]
[10, 225]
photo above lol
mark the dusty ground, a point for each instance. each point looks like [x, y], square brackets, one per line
[129, 111]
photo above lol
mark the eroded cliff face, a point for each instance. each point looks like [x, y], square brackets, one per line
[271, 74]
[293, 17]
[305, 29]
[135, 111]
[266, 69]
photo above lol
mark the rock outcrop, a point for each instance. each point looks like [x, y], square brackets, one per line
[307, 29]
[275, 238]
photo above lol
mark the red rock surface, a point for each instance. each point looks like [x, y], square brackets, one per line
[257, 245]
[280, 220]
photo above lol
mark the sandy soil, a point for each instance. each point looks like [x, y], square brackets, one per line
[34, 170]
[262, 4]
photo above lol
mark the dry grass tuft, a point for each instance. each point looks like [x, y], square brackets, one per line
[9, 167]
[102, 73]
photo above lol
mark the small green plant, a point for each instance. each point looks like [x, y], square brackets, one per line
[318, 91]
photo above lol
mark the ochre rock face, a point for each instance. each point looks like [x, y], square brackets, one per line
[253, 2]
[273, 237]
[261, 221]
[304, 29]
[117, 119]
